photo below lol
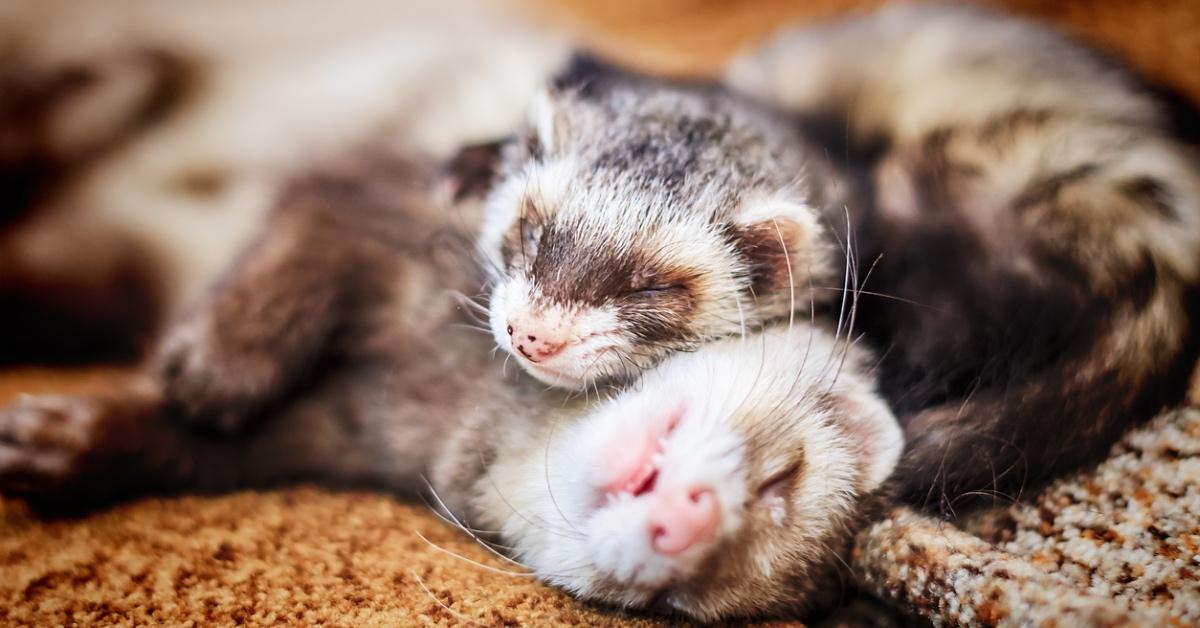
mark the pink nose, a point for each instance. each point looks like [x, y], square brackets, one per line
[534, 347]
[682, 518]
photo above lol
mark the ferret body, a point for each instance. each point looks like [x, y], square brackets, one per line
[1029, 199]
[723, 483]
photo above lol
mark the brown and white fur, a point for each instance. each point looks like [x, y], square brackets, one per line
[1036, 227]
[1023, 232]
[339, 334]
[632, 219]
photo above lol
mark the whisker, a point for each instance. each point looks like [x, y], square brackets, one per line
[546, 473]
[439, 602]
[436, 510]
[503, 572]
[882, 296]
[544, 525]
[787, 260]
[460, 524]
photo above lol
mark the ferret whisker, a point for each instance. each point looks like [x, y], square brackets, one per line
[546, 474]
[849, 269]
[482, 330]
[849, 344]
[800, 372]
[853, 274]
[596, 387]
[752, 389]
[496, 570]
[437, 512]
[463, 299]
[459, 524]
[882, 295]
[812, 314]
[787, 260]
[542, 525]
[846, 292]
[474, 316]
[439, 602]
[741, 315]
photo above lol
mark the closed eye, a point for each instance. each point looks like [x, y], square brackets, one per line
[773, 495]
[655, 292]
[779, 481]
[531, 235]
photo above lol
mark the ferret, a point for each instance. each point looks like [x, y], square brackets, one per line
[723, 482]
[1021, 230]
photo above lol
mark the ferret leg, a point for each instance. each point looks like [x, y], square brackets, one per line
[265, 324]
[64, 453]
[69, 454]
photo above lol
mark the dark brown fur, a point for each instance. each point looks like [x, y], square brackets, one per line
[1006, 380]
[1025, 231]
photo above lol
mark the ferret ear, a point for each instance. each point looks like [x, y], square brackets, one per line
[472, 170]
[781, 242]
[549, 125]
[585, 74]
[874, 431]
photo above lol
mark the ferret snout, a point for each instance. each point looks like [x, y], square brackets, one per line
[536, 343]
[561, 344]
[683, 517]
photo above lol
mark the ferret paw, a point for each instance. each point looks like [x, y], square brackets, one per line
[44, 441]
[210, 383]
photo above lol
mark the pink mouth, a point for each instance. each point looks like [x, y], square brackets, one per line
[631, 458]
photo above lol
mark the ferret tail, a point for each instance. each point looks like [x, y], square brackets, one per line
[1001, 441]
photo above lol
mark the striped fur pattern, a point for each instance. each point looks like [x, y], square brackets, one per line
[1035, 227]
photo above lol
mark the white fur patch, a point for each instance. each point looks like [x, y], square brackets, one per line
[592, 335]
[574, 535]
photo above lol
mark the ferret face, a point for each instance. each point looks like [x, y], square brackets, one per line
[641, 220]
[722, 485]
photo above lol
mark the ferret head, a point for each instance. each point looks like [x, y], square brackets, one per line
[725, 483]
[630, 220]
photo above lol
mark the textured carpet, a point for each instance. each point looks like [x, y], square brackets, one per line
[1119, 545]
[298, 556]
[1114, 546]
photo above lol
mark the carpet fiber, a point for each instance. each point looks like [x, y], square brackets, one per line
[296, 556]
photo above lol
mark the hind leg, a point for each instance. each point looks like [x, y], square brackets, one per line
[266, 323]
[65, 452]
[68, 454]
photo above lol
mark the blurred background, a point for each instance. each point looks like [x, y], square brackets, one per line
[141, 141]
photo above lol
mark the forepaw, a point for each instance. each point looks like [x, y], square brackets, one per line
[44, 441]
